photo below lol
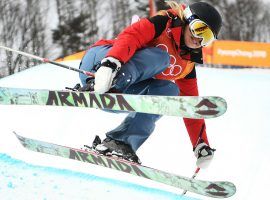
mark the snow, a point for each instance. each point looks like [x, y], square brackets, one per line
[241, 137]
[36, 182]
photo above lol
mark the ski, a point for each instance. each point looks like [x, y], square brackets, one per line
[183, 106]
[216, 189]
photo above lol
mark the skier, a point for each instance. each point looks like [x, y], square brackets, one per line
[154, 56]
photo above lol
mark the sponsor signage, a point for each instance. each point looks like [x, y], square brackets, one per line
[238, 53]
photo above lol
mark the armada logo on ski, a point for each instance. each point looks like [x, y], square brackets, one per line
[107, 162]
[77, 99]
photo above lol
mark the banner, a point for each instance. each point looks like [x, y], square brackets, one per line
[238, 53]
[75, 56]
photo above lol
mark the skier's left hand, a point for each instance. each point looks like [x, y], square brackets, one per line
[105, 74]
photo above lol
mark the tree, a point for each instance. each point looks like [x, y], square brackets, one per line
[90, 10]
[22, 27]
[262, 31]
[121, 15]
[77, 25]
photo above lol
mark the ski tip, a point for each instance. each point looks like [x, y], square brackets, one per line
[20, 138]
[15, 133]
[211, 107]
[221, 190]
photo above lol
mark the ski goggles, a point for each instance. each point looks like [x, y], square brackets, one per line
[201, 30]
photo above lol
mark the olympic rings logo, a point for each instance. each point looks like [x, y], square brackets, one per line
[173, 69]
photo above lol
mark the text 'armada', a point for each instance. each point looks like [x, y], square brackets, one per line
[91, 100]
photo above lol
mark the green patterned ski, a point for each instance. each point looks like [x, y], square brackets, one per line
[219, 189]
[183, 106]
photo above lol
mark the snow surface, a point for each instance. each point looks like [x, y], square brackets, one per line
[36, 182]
[241, 137]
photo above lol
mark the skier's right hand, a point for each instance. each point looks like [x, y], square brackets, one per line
[105, 74]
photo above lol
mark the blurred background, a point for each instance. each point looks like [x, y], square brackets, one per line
[57, 28]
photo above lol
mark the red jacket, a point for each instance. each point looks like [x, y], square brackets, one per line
[164, 32]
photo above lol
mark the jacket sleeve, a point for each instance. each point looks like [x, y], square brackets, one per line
[195, 127]
[136, 36]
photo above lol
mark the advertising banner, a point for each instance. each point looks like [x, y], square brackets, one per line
[238, 53]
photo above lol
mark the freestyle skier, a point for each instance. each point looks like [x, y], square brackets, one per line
[154, 56]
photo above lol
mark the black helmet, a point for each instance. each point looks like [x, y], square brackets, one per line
[207, 14]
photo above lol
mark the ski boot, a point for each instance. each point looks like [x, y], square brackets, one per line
[88, 87]
[204, 155]
[111, 147]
